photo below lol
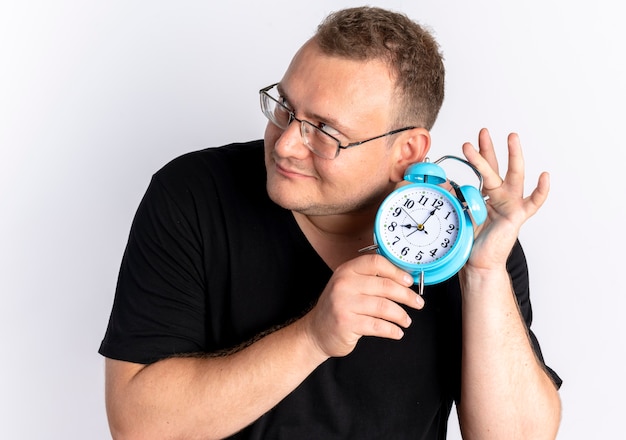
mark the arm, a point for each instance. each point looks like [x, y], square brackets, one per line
[212, 397]
[505, 391]
[206, 397]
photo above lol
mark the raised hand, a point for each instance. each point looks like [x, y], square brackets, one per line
[507, 207]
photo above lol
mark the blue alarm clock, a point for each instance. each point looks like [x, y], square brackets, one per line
[427, 229]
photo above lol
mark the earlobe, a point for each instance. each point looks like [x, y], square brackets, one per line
[411, 148]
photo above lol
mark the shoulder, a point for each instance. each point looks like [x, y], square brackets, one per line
[233, 161]
[203, 187]
[214, 174]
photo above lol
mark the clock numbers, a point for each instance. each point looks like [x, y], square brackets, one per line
[437, 204]
[423, 200]
[421, 227]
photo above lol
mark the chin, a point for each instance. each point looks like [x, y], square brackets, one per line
[293, 201]
[287, 198]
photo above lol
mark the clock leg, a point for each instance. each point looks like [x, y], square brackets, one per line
[421, 284]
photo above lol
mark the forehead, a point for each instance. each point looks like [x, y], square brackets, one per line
[351, 91]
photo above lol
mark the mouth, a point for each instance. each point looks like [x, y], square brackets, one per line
[290, 172]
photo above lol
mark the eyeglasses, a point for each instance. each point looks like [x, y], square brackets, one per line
[316, 138]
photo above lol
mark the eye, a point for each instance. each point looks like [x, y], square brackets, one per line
[328, 129]
[284, 102]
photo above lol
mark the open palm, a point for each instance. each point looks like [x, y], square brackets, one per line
[507, 208]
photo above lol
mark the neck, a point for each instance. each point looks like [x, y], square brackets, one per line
[338, 238]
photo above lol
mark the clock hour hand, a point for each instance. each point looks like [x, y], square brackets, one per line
[409, 216]
[418, 228]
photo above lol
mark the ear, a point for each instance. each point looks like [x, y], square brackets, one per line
[411, 147]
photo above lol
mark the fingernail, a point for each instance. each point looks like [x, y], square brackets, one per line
[420, 301]
[408, 279]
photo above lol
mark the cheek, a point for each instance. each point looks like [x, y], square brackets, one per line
[371, 170]
[356, 180]
[270, 136]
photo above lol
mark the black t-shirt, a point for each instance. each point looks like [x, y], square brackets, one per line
[211, 262]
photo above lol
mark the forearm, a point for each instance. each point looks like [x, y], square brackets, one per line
[505, 392]
[208, 397]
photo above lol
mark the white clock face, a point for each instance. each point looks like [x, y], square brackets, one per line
[419, 225]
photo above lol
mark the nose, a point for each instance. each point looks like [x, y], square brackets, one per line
[290, 143]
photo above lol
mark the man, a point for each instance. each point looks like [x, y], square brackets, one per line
[247, 311]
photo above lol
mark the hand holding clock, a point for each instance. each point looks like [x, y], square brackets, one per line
[362, 298]
[507, 207]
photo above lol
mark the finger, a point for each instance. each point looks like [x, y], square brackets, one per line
[515, 171]
[540, 193]
[491, 178]
[380, 278]
[390, 282]
[390, 290]
[370, 326]
[377, 265]
[382, 308]
[486, 149]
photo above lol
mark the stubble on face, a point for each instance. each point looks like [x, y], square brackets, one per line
[356, 93]
[309, 196]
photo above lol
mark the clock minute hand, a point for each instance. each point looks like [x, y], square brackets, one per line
[430, 214]
[420, 226]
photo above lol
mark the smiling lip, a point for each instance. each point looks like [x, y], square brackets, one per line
[290, 173]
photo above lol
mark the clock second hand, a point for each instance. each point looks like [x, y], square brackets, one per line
[409, 216]
[418, 226]
[409, 226]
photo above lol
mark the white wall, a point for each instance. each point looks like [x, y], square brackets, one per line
[95, 96]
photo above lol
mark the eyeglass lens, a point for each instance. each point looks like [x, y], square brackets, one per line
[314, 138]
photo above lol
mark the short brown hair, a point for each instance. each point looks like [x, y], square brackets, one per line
[410, 51]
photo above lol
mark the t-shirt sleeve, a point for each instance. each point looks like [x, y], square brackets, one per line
[159, 304]
[518, 270]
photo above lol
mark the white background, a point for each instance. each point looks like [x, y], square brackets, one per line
[96, 96]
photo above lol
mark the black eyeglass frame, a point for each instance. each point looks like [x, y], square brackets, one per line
[292, 117]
